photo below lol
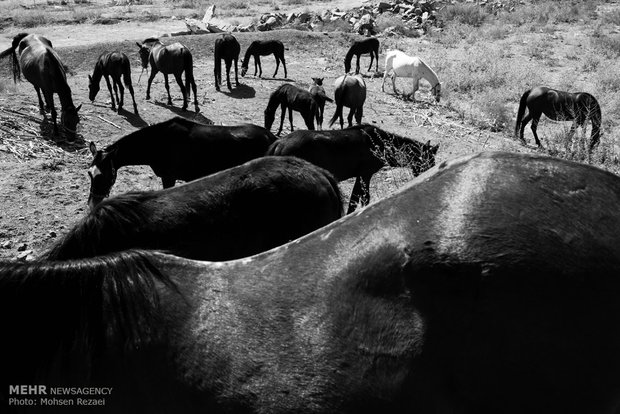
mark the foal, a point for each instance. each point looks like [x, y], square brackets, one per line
[114, 65]
[227, 48]
[260, 48]
[291, 97]
[321, 97]
[359, 48]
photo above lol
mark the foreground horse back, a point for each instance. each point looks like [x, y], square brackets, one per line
[235, 213]
[487, 286]
[559, 106]
[350, 91]
[34, 56]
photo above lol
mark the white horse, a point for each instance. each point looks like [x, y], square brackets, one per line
[403, 65]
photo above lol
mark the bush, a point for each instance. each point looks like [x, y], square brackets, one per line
[469, 14]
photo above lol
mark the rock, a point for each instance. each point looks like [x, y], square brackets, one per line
[303, 17]
[291, 17]
[22, 247]
[24, 255]
[7, 244]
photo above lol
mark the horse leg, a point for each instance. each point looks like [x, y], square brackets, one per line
[371, 60]
[284, 66]
[350, 116]
[148, 85]
[41, 107]
[228, 65]
[49, 100]
[191, 82]
[122, 93]
[282, 115]
[416, 86]
[357, 64]
[127, 80]
[535, 120]
[168, 182]
[184, 91]
[358, 115]
[290, 116]
[236, 72]
[277, 65]
[258, 67]
[167, 85]
[527, 118]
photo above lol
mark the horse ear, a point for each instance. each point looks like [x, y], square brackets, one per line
[90, 78]
[139, 45]
[78, 108]
[93, 148]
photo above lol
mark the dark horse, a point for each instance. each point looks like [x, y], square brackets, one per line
[112, 65]
[318, 91]
[227, 48]
[350, 92]
[559, 106]
[291, 97]
[488, 286]
[171, 59]
[36, 58]
[260, 48]
[359, 48]
[177, 149]
[358, 152]
[231, 214]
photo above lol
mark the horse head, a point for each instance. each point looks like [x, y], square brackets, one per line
[93, 88]
[102, 174]
[244, 70]
[436, 90]
[144, 52]
[318, 81]
[69, 119]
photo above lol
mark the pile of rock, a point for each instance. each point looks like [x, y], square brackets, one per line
[408, 17]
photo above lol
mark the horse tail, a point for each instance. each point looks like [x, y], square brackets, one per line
[521, 112]
[12, 52]
[338, 98]
[596, 119]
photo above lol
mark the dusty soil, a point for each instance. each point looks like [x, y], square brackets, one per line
[43, 180]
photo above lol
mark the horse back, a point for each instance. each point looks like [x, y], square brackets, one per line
[40, 63]
[171, 58]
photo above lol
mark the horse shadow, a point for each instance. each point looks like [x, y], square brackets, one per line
[47, 132]
[241, 92]
[191, 115]
[277, 79]
[134, 119]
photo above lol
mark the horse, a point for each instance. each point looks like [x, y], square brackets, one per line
[359, 48]
[291, 97]
[260, 48]
[114, 65]
[359, 152]
[171, 59]
[231, 214]
[350, 91]
[317, 90]
[176, 149]
[35, 56]
[227, 48]
[559, 106]
[400, 64]
[489, 285]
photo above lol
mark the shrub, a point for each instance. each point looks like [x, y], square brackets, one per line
[469, 14]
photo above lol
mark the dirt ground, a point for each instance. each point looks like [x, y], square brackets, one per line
[43, 181]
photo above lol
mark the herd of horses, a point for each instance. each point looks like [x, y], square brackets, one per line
[488, 284]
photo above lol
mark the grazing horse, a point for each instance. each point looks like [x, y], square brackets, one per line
[34, 56]
[350, 91]
[358, 152]
[227, 48]
[317, 90]
[114, 65]
[400, 64]
[260, 48]
[177, 149]
[559, 106]
[172, 59]
[231, 214]
[291, 97]
[359, 48]
[487, 286]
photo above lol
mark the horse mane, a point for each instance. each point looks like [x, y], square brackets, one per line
[106, 228]
[248, 53]
[70, 312]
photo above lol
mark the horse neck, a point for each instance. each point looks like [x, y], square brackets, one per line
[135, 148]
[428, 74]
[249, 52]
[98, 72]
[349, 56]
